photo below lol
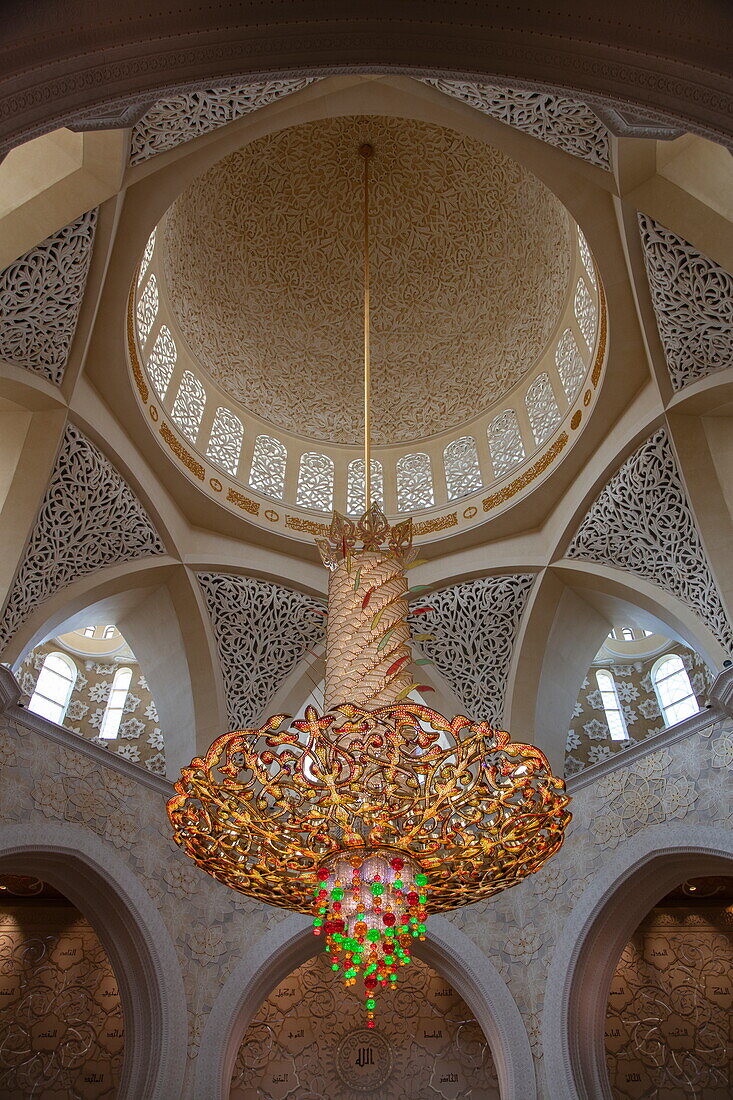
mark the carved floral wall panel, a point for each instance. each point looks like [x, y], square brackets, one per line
[693, 302]
[89, 518]
[61, 1025]
[171, 122]
[589, 740]
[560, 121]
[669, 1008]
[262, 630]
[308, 1040]
[140, 739]
[472, 628]
[642, 523]
[40, 298]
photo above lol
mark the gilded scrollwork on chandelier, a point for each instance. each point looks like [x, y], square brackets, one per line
[379, 811]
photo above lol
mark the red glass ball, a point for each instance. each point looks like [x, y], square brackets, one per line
[389, 919]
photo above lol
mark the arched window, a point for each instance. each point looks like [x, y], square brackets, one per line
[53, 688]
[225, 441]
[109, 632]
[505, 442]
[612, 706]
[267, 474]
[188, 407]
[674, 691]
[585, 312]
[355, 488]
[586, 257]
[462, 472]
[544, 415]
[162, 360]
[147, 309]
[569, 363]
[89, 631]
[147, 257]
[116, 703]
[414, 483]
[315, 482]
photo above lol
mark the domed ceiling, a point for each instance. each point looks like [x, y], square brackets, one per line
[471, 258]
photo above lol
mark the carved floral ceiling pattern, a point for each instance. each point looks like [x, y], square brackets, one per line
[89, 518]
[470, 267]
[560, 121]
[693, 303]
[642, 523]
[471, 629]
[40, 297]
[262, 630]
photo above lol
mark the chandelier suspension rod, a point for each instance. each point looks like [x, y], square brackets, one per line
[366, 152]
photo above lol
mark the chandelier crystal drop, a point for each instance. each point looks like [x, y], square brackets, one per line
[380, 811]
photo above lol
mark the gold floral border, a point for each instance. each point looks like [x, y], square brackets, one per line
[180, 452]
[529, 474]
[137, 371]
[243, 502]
[601, 352]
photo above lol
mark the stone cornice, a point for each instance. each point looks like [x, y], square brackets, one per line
[90, 66]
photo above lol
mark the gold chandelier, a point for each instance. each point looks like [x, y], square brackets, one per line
[380, 811]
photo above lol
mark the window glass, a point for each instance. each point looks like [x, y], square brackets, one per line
[315, 482]
[53, 687]
[356, 489]
[267, 474]
[612, 706]
[116, 703]
[505, 442]
[225, 441]
[674, 691]
[414, 483]
[188, 407]
[109, 632]
[462, 472]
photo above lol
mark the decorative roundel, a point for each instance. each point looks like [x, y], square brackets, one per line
[577, 417]
[364, 1060]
